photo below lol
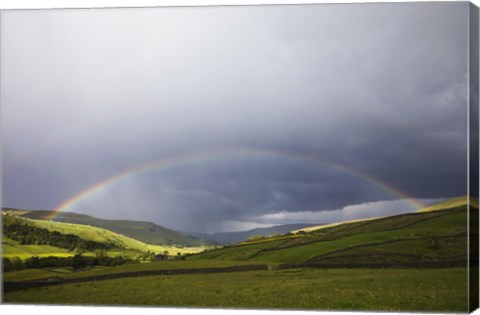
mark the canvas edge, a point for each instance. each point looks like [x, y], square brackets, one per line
[472, 127]
[473, 154]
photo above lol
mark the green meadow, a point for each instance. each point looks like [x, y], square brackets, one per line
[332, 289]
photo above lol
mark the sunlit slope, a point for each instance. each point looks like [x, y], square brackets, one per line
[323, 226]
[87, 233]
[451, 203]
[143, 231]
[11, 248]
[421, 237]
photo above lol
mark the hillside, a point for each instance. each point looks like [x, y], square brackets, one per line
[38, 245]
[436, 237]
[446, 204]
[147, 232]
[226, 238]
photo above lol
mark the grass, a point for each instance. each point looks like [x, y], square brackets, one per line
[332, 289]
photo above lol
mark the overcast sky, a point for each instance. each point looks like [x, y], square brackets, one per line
[380, 89]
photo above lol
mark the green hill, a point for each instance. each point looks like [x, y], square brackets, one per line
[436, 237]
[37, 245]
[147, 232]
[446, 204]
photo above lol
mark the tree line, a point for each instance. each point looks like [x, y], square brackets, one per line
[76, 262]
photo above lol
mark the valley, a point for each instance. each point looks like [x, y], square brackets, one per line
[416, 261]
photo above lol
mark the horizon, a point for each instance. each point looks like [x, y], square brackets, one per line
[366, 215]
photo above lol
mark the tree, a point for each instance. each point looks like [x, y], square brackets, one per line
[7, 264]
[17, 263]
[33, 262]
[78, 262]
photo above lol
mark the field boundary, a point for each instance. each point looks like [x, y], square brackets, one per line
[323, 256]
[458, 263]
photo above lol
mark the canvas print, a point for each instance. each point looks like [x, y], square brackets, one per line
[296, 157]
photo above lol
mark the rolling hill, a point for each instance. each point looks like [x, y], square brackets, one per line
[414, 239]
[147, 232]
[39, 246]
[445, 204]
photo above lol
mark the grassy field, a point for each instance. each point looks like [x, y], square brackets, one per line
[333, 289]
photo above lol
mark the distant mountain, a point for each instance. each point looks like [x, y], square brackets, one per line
[143, 231]
[226, 238]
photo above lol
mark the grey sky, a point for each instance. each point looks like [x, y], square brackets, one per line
[87, 94]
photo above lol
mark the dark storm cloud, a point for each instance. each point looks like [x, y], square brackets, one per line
[378, 88]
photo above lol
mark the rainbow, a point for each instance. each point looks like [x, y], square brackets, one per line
[227, 154]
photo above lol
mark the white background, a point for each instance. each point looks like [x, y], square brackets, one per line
[70, 310]
[18, 4]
